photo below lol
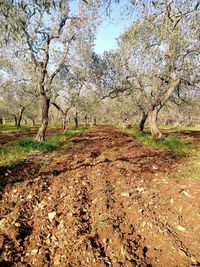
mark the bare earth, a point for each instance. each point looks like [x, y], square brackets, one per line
[106, 200]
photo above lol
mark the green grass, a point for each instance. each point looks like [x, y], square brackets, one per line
[23, 146]
[8, 129]
[180, 128]
[170, 142]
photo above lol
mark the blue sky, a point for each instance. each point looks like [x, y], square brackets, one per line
[111, 29]
[107, 35]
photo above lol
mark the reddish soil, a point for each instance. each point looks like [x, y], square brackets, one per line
[6, 139]
[106, 200]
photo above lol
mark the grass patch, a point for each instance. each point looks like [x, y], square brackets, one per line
[23, 146]
[9, 129]
[170, 142]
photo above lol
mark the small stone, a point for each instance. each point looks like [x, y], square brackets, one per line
[15, 191]
[186, 194]
[41, 205]
[140, 189]
[125, 194]
[29, 196]
[154, 167]
[51, 215]
[34, 251]
[181, 228]
[171, 201]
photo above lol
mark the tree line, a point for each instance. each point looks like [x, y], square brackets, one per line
[48, 63]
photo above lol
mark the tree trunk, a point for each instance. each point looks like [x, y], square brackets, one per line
[45, 119]
[15, 120]
[86, 120]
[20, 117]
[155, 132]
[33, 121]
[1, 120]
[94, 121]
[64, 122]
[76, 120]
[143, 120]
[63, 114]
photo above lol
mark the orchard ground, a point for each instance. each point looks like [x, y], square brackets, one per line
[101, 197]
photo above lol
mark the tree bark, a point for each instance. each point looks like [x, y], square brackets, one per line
[45, 119]
[94, 121]
[33, 121]
[155, 132]
[20, 117]
[15, 120]
[64, 122]
[143, 120]
[153, 114]
[63, 114]
[76, 120]
[86, 120]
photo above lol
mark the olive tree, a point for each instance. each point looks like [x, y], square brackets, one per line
[45, 33]
[160, 51]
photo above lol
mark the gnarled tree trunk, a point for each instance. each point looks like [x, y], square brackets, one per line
[155, 132]
[64, 122]
[45, 119]
[76, 120]
[20, 117]
[33, 121]
[15, 120]
[64, 115]
[143, 120]
[86, 120]
[94, 121]
[153, 114]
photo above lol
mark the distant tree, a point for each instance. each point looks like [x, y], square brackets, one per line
[44, 32]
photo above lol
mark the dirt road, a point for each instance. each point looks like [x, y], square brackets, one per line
[106, 200]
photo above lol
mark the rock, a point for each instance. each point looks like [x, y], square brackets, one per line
[29, 196]
[51, 215]
[125, 194]
[181, 228]
[154, 167]
[186, 193]
[2, 224]
[140, 189]
[34, 251]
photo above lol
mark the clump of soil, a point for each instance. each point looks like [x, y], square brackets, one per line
[105, 201]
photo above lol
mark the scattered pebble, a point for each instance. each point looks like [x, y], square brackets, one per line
[125, 194]
[186, 194]
[51, 215]
[155, 167]
[34, 251]
[181, 228]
